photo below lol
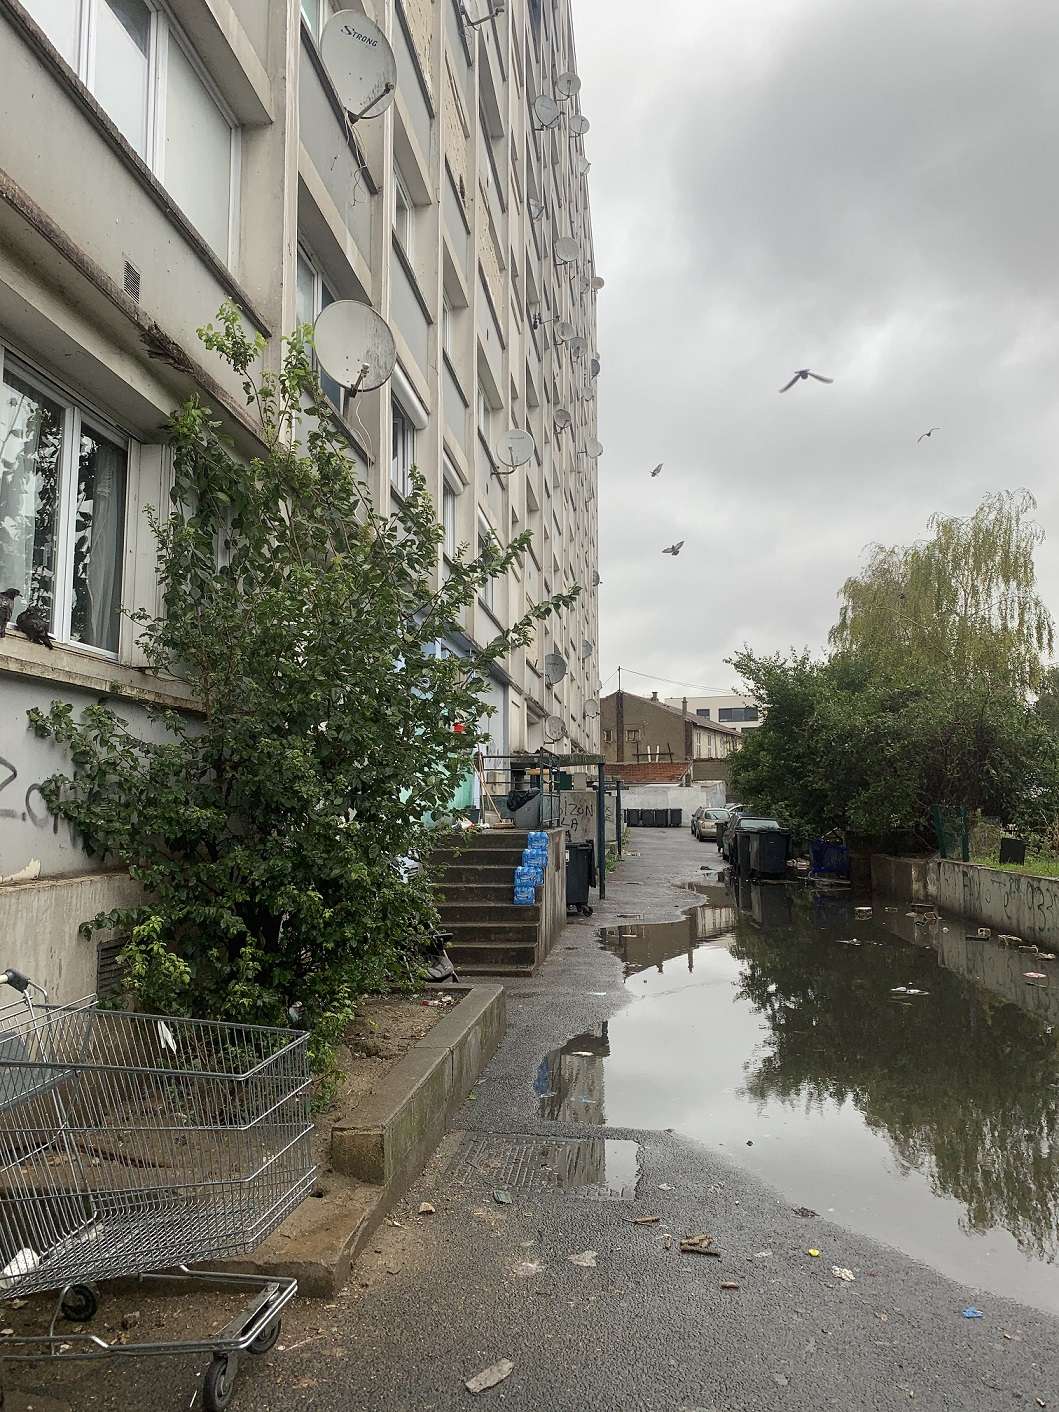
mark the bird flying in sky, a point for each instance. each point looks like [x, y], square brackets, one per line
[927, 433]
[674, 549]
[657, 470]
[804, 373]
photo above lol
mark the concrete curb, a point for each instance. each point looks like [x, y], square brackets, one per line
[378, 1152]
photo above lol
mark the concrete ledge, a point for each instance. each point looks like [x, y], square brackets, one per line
[404, 1119]
[378, 1152]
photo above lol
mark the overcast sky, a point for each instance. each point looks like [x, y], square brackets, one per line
[865, 187]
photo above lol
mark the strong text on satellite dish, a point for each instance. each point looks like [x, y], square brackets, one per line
[360, 64]
[354, 345]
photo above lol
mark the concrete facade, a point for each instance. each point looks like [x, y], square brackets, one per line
[195, 151]
[642, 729]
[728, 708]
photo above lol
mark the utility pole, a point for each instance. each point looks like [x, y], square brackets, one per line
[619, 722]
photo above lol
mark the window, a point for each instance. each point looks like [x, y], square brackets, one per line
[132, 58]
[314, 294]
[62, 509]
[703, 711]
[737, 713]
[448, 519]
[316, 13]
[607, 736]
[404, 448]
[403, 213]
[632, 734]
[482, 410]
[446, 327]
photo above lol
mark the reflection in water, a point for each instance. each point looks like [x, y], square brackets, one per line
[646, 945]
[928, 1120]
[569, 1081]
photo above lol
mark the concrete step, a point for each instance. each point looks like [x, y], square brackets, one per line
[455, 875]
[486, 914]
[513, 972]
[484, 857]
[475, 892]
[521, 932]
[488, 957]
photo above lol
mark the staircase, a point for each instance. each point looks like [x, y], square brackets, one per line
[475, 884]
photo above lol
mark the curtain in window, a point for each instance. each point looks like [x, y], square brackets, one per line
[99, 532]
[31, 432]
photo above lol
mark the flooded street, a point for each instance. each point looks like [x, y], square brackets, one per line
[906, 1086]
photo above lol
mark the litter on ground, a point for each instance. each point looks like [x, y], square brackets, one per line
[489, 1377]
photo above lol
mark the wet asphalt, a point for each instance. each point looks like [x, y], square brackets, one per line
[441, 1296]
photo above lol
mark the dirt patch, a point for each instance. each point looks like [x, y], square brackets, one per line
[386, 1028]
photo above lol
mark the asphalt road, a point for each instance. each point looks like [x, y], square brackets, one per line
[442, 1296]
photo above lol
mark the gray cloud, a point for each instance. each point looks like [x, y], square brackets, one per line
[864, 188]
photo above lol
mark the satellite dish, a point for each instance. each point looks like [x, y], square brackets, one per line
[516, 448]
[595, 365]
[536, 208]
[554, 730]
[565, 330]
[562, 418]
[591, 709]
[594, 449]
[554, 668]
[569, 85]
[354, 345]
[582, 166]
[566, 249]
[598, 282]
[579, 124]
[545, 110]
[587, 648]
[578, 346]
[360, 64]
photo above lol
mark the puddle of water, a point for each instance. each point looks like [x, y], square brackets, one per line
[907, 1086]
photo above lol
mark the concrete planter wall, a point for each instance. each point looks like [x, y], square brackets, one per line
[1024, 906]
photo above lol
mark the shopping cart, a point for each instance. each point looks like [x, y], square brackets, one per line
[132, 1145]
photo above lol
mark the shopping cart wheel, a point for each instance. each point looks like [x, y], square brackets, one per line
[219, 1383]
[79, 1304]
[266, 1339]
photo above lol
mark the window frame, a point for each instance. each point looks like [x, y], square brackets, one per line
[400, 473]
[403, 227]
[77, 415]
[165, 29]
[321, 285]
[450, 501]
[487, 538]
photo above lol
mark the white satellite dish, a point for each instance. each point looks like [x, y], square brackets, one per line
[595, 365]
[515, 448]
[562, 418]
[587, 648]
[536, 208]
[598, 282]
[545, 110]
[554, 730]
[568, 84]
[566, 249]
[565, 330]
[360, 64]
[578, 347]
[579, 124]
[554, 668]
[591, 709]
[594, 449]
[354, 345]
[582, 166]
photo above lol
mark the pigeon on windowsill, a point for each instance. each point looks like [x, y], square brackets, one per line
[7, 607]
[34, 625]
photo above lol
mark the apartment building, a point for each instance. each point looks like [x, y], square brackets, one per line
[729, 708]
[160, 156]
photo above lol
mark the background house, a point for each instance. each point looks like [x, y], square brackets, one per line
[638, 730]
[728, 709]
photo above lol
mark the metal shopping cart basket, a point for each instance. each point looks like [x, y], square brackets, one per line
[132, 1145]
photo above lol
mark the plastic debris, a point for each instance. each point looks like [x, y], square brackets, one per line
[1035, 975]
[972, 1313]
[665, 1187]
[131, 1319]
[781, 1378]
[763, 1255]
[586, 1260]
[841, 1273]
[862, 911]
[489, 1377]
[646, 1220]
[729, 1284]
[426, 1209]
[851, 942]
[814, 1253]
[804, 1211]
[528, 1268]
[907, 990]
[667, 1241]
[502, 1198]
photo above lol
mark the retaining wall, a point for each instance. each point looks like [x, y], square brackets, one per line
[1024, 906]
[906, 879]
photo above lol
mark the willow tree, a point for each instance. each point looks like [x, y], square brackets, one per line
[962, 602]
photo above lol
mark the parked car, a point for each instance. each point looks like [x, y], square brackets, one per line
[706, 822]
[695, 816]
[732, 813]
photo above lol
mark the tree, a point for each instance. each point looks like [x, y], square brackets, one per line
[963, 602]
[265, 826]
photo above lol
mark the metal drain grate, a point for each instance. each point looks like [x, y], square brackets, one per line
[596, 1168]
